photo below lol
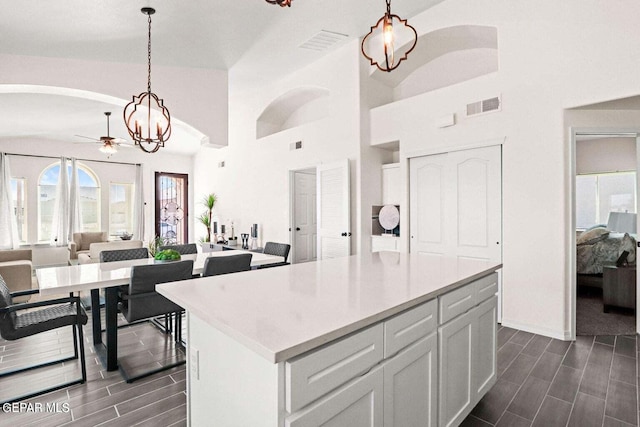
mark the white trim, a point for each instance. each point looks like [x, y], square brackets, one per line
[448, 149]
[560, 335]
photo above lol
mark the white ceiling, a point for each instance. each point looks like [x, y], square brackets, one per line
[245, 35]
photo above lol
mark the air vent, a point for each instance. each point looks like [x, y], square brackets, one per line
[221, 164]
[323, 41]
[485, 106]
[295, 145]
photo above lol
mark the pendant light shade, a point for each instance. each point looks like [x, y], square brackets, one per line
[389, 42]
[147, 119]
[281, 3]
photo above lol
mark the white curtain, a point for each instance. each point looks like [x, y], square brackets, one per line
[138, 206]
[9, 238]
[75, 218]
[61, 209]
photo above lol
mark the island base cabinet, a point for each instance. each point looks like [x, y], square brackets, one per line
[411, 387]
[467, 365]
[357, 404]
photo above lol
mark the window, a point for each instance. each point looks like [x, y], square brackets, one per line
[89, 199]
[599, 194]
[19, 196]
[120, 208]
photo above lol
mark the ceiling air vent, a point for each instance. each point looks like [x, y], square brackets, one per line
[485, 106]
[295, 145]
[324, 40]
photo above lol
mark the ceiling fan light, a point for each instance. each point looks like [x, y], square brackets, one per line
[108, 148]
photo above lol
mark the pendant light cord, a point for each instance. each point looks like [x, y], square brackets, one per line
[149, 57]
[388, 8]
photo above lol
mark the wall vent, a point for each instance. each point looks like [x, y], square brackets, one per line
[295, 145]
[221, 164]
[324, 40]
[485, 106]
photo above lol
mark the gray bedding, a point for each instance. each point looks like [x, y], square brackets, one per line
[592, 256]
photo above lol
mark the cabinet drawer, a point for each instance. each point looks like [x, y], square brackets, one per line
[486, 287]
[314, 374]
[454, 303]
[409, 327]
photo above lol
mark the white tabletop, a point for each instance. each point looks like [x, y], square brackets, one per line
[82, 277]
[282, 312]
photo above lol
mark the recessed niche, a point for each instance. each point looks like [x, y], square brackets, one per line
[294, 108]
[443, 58]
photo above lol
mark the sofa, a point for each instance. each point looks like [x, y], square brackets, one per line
[82, 241]
[16, 269]
[93, 254]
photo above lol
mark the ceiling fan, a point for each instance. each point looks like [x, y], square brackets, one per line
[109, 143]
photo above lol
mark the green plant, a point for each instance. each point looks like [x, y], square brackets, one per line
[208, 201]
[155, 244]
[167, 255]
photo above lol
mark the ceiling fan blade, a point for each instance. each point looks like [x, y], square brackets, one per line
[124, 145]
[88, 137]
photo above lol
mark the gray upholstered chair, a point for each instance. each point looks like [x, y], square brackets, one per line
[186, 249]
[277, 249]
[143, 302]
[124, 254]
[214, 266]
[52, 314]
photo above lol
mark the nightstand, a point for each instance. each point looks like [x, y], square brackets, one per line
[619, 287]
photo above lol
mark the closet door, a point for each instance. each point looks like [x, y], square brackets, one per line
[456, 204]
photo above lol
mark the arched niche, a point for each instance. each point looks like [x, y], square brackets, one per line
[294, 108]
[442, 58]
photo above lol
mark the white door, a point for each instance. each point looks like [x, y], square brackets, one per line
[456, 204]
[305, 227]
[334, 225]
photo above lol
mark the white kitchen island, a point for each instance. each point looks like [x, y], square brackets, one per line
[382, 339]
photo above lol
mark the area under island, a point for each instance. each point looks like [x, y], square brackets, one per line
[382, 339]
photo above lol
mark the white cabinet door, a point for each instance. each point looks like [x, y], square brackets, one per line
[485, 348]
[411, 386]
[455, 369]
[358, 404]
[334, 217]
[391, 184]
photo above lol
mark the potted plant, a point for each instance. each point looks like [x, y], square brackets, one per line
[209, 201]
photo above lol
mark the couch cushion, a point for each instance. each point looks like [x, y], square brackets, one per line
[87, 238]
[592, 236]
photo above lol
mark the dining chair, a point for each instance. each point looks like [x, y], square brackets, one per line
[21, 320]
[124, 254]
[186, 249]
[277, 249]
[143, 302]
[214, 266]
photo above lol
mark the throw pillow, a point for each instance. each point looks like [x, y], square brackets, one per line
[592, 236]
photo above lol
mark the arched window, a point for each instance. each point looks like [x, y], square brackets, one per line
[89, 198]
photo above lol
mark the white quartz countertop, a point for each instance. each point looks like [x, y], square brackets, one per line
[282, 312]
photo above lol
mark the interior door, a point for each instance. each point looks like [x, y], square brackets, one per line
[456, 204]
[305, 225]
[334, 213]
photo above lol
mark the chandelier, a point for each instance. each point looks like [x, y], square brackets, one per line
[147, 119]
[379, 45]
[281, 3]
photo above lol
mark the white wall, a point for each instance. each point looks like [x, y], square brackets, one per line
[253, 187]
[548, 62]
[605, 155]
[32, 167]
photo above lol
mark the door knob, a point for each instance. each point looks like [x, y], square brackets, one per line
[297, 228]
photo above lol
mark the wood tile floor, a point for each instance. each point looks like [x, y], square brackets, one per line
[546, 382]
[105, 399]
[541, 382]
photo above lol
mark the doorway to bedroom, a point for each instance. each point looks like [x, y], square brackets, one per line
[606, 228]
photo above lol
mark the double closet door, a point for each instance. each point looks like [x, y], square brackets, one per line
[456, 204]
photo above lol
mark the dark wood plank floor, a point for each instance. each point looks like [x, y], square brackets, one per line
[105, 399]
[541, 382]
[546, 382]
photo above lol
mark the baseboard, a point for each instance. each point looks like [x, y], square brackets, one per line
[552, 333]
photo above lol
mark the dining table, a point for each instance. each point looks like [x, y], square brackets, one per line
[110, 276]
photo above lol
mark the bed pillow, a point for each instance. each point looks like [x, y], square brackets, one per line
[592, 236]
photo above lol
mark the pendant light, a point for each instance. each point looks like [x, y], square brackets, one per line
[281, 3]
[389, 41]
[147, 119]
